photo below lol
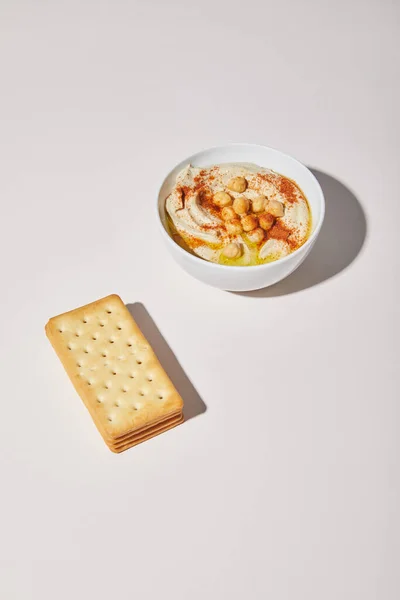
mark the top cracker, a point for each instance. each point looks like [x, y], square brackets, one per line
[113, 367]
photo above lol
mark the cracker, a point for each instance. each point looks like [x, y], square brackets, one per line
[114, 369]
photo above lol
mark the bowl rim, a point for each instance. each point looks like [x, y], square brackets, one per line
[216, 266]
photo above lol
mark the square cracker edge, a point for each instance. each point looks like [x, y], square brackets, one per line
[153, 432]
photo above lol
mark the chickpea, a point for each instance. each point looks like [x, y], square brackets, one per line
[275, 208]
[222, 199]
[228, 214]
[256, 236]
[232, 250]
[249, 222]
[241, 206]
[258, 204]
[266, 221]
[237, 184]
[234, 227]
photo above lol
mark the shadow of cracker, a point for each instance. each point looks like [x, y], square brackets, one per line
[193, 403]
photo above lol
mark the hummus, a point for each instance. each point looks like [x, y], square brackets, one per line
[237, 214]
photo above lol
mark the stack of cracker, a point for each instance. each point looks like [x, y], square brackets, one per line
[116, 373]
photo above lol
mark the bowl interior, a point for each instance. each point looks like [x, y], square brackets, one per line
[259, 155]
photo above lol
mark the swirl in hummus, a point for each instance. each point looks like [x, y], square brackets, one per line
[237, 214]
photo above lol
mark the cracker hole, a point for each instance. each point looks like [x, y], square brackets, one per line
[130, 344]
[104, 354]
[132, 376]
[141, 393]
[124, 389]
[84, 320]
[111, 341]
[69, 347]
[77, 334]
[160, 397]
[86, 351]
[107, 386]
[109, 418]
[139, 362]
[119, 327]
[114, 372]
[99, 400]
[108, 311]
[61, 331]
[117, 404]
[150, 379]
[102, 324]
[95, 336]
[78, 364]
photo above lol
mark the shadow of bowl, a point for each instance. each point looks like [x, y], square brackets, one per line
[340, 241]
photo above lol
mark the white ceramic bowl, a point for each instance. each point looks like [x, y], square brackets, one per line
[240, 279]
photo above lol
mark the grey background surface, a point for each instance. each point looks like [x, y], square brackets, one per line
[287, 486]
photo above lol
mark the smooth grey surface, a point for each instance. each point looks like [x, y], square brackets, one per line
[287, 486]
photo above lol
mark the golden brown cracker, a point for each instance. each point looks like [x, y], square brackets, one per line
[113, 368]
